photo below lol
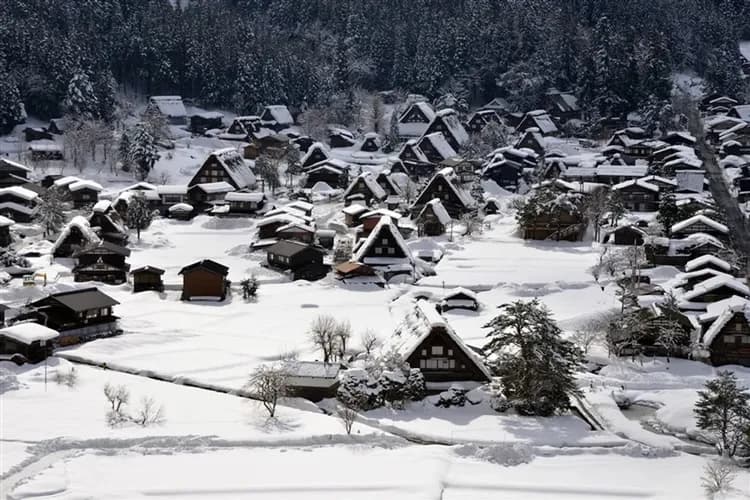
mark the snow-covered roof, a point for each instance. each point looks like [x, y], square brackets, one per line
[65, 181]
[636, 182]
[172, 189]
[440, 144]
[235, 167]
[316, 146]
[412, 145]
[298, 226]
[169, 105]
[14, 164]
[27, 333]
[384, 224]
[250, 197]
[453, 125]
[743, 111]
[82, 224]
[139, 186]
[102, 206]
[703, 260]
[355, 209]
[17, 207]
[283, 218]
[300, 205]
[460, 291]
[685, 160]
[370, 181]
[280, 114]
[700, 219]
[215, 187]
[381, 212]
[419, 324]
[438, 209]
[715, 283]
[542, 120]
[84, 184]
[728, 308]
[19, 192]
[4, 221]
[181, 207]
[656, 179]
[312, 369]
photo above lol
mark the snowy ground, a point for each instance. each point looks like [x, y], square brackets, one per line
[56, 443]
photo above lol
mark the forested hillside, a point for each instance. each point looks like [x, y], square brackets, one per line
[241, 53]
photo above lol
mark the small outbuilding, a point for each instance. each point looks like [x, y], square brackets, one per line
[147, 278]
[32, 340]
[204, 280]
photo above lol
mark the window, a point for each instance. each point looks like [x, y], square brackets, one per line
[384, 241]
[391, 250]
[738, 327]
[378, 251]
[450, 352]
[103, 311]
[436, 350]
[424, 352]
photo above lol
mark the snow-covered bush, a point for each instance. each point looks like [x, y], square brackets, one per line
[415, 388]
[500, 404]
[8, 381]
[455, 396]
[69, 378]
[507, 455]
[358, 390]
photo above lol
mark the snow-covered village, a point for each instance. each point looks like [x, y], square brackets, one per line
[434, 250]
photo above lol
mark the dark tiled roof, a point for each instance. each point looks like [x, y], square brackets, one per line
[148, 269]
[82, 300]
[116, 249]
[207, 264]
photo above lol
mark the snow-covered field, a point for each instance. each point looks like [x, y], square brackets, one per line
[55, 442]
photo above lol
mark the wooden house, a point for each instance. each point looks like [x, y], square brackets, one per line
[679, 139]
[303, 260]
[333, 172]
[171, 106]
[687, 281]
[410, 153]
[563, 106]
[712, 290]
[627, 235]
[480, 119]
[356, 272]
[315, 154]
[726, 332]
[78, 315]
[638, 195]
[445, 187]
[297, 231]
[371, 142]
[312, 380]
[741, 111]
[447, 123]
[202, 122]
[433, 219]
[245, 203]
[340, 138]
[352, 213]
[435, 147]
[276, 117]
[241, 128]
[532, 139]
[459, 298]
[104, 262]
[366, 188]
[415, 119]
[272, 145]
[426, 341]
[561, 225]
[31, 340]
[491, 206]
[270, 224]
[208, 194]
[108, 224]
[225, 165]
[13, 173]
[392, 183]
[5, 238]
[499, 106]
[75, 236]
[709, 262]
[385, 249]
[700, 224]
[84, 193]
[371, 219]
[147, 278]
[540, 120]
[57, 126]
[204, 280]
[505, 173]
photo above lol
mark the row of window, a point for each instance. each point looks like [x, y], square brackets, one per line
[737, 339]
[388, 251]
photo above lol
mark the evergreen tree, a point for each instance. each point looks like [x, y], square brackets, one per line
[536, 365]
[81, 101]
[11, 111]
[51, 211]
[723, 409]
[143, 152]
[138, 215]
[669, 213]
[250, 287]
[125, 152]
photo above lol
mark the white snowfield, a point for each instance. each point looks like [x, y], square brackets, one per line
[214, 444]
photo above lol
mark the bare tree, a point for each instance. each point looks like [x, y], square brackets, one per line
[718, 476]
[69, 378]
[370, 341]
[472, 224]
[118, 397]
[669, 335]
[269, 383]
[149, 413]
[322, 334]
[343, 250]
[342, 335]
[348, 416]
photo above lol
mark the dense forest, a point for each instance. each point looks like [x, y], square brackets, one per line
[239, 54]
